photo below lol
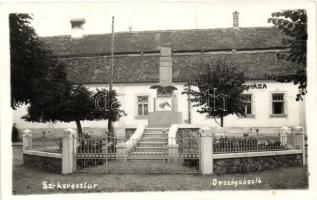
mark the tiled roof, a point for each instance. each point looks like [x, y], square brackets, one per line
[178, 40]
[134, 69]
[87, 59]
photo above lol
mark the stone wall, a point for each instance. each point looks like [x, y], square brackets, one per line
[251, 164]
[42, 162]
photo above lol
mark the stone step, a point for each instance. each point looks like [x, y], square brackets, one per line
[150, 146]
[157, 129]
[148, 149]
[149, 158]
[154, 143]
[147, 153]
[151, 143]
[154, 133]
[152, 137]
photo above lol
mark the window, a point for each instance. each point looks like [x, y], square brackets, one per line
[76, 25]
[247, 99]
[278, 104]
[143, 105]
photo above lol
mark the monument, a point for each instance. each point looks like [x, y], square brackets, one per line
[165, 104]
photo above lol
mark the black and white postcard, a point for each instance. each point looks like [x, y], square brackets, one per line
[158, 100]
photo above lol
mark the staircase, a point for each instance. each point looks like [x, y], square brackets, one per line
[150, 146]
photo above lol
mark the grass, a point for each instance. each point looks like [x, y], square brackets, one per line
[29, 181]
[140, 166]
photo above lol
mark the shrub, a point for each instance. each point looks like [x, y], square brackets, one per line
[246, 143]
[88, 144]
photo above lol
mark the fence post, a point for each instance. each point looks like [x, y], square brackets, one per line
[172, 147]
[303, 149]
[68, 151]
[122, 153]
[172, 153]
[27, 139]
[75, 145]
[206, 151]
[284, 135]
[107, 150]
[300, 134]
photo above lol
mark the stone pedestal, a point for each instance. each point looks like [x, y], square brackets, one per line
[164, 118]
[165, 65]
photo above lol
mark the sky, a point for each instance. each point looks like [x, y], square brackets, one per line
[54, 19]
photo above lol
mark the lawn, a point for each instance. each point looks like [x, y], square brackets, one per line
[30, 181]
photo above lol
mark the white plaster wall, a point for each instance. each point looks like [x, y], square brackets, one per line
[128, 97]
[262, 108]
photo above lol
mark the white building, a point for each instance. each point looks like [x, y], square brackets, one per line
[146, 58]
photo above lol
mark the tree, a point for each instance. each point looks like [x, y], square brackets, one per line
[293, 23]
[75, 106]
[39, 80]
[226, 80]
[110, 109]
[33, 67]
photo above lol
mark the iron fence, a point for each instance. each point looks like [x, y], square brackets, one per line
[149, 154]
[152, 154]
[230, 143]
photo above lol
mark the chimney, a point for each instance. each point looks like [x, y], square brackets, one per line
[235, 16]
[77, 26]
[165, 66]
[130, 28]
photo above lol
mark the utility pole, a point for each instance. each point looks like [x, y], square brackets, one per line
[112, 48]
[110, 128]
[189, 105]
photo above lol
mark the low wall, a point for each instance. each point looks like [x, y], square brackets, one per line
[45, 161]
[252, 164]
